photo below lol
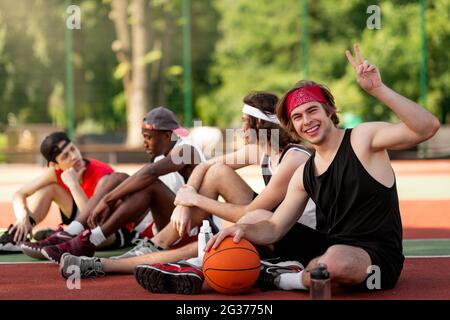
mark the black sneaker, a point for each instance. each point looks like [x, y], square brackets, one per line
[7, 243]
[269, 276]
[179, 278]
[43, 233]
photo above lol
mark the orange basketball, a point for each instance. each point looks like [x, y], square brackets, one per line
[231, 268]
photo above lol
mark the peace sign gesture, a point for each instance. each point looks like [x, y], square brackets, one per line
[367, 74]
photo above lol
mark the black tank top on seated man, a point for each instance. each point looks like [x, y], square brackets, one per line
[352, 207]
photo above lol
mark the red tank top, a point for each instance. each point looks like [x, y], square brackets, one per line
[95, 170]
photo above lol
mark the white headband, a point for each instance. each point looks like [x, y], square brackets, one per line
[252, 111]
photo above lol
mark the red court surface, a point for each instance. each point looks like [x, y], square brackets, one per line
[422, 278]
[425, 219]
[427, 279]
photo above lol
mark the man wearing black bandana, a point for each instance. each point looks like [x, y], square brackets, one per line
[69, 181]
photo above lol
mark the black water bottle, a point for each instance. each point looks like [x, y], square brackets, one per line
[320, 283]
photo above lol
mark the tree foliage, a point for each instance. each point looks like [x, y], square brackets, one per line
[260, 49]
[238, 46]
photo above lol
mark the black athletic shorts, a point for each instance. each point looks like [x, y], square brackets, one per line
[67, 220]
[303, 244]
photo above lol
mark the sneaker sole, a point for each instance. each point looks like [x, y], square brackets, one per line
[157, 281]
[33, 253]
[9, 247]
[46, 256]
[282, 264]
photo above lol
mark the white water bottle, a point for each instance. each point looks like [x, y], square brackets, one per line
[203, 237]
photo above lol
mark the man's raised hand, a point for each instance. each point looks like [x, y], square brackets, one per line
[367, 75]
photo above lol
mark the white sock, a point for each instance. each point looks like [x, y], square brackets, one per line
[291, 281]
[97, 236]
[196, 262]
[74, 228]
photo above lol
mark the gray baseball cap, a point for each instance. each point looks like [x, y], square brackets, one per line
[163, 119]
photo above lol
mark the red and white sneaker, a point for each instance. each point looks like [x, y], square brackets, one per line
[34, 249]
[179, 278]
[78, 246]
[269, 275]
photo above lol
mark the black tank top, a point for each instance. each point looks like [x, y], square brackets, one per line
[352, 207]
[265, 162]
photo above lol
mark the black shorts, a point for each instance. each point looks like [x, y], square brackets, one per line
[303, 244]
[67, 220]
[390, 265]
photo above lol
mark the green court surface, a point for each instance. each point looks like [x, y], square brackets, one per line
[411, 248]
[19, 257]
[426, 247]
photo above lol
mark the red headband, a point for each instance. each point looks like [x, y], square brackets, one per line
[303, 95]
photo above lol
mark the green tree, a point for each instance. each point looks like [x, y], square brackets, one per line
[32, 59]
[260, 49]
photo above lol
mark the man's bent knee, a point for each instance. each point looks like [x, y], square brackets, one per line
[346, 266]
[216, 175]
[118, 177]
[218, 170]
[50, 190]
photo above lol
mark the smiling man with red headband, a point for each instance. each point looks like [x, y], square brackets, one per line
[350, 179]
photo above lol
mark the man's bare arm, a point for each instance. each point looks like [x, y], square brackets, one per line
[417, 124]
[150, 172]
[20, 205]
[269, 231]
[269, 198]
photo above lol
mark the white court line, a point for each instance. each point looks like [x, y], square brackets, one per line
[425, 240]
